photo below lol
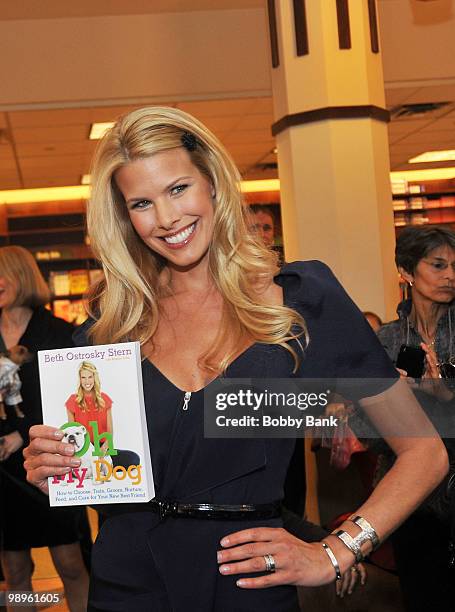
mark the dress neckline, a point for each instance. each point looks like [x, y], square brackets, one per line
[234, 361]
[172, 384]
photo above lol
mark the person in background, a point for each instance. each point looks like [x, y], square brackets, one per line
[373, 319]
[206, 300]
[262, 223]
[26, 520]
[425, 257]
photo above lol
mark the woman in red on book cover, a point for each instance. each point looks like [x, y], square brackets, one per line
[206, 300]
[89, 403]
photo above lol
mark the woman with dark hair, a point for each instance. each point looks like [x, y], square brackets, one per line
[26, 521]
[425, 257]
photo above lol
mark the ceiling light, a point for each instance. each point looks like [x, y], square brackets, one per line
[81, 192]
[429, 174]
[47, 194]
[262, 185]
[98, 130]
[433, 156]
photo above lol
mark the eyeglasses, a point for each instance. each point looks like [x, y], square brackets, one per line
[447, 368]
[440, 265]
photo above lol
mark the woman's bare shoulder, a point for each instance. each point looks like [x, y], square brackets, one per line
[271, 294]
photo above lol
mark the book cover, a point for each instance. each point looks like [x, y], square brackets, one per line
[94, 394]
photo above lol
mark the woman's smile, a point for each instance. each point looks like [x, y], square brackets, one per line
[180, 238]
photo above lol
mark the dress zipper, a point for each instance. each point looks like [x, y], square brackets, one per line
[186, 400]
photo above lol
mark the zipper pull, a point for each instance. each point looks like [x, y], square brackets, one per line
[186, 400]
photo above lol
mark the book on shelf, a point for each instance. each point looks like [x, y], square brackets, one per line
[72, 311]
[61, 309]
[94, 395]
[79, 281]
[59, 283]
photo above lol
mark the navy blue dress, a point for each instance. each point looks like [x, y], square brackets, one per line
[142, 564]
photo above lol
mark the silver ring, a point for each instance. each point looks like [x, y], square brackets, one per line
[269, 563]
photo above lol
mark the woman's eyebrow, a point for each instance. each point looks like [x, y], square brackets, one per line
[181, 178]
[174, 182]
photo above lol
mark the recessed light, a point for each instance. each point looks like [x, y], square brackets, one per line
[98, 130]
[433, 156]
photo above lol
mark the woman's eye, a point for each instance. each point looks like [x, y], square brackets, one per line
[177, 189]
[439, 266]
[141, 205]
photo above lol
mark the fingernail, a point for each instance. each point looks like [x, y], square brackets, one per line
[75, 461]
[219, 556]
[58, 434]
[69, 449]
[240, 583]
[225, 542]
[225, 569]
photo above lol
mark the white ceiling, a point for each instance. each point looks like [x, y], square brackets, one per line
[50, 147]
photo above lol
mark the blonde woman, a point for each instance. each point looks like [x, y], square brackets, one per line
[89, 403]
[26, 521]
[205, 299]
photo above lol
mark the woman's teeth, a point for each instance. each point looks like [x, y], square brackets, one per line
[181, 236]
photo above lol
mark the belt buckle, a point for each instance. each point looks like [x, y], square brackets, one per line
[166, 508]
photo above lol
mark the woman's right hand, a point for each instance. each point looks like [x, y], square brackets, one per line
[47, 456]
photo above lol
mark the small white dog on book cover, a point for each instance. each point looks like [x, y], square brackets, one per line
[76, 434]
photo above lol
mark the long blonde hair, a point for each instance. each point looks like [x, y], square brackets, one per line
[125, 304]
[80, 396]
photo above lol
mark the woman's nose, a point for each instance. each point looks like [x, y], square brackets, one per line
[450, 273]
[167, 215]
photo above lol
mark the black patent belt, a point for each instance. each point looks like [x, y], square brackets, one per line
[213, 511]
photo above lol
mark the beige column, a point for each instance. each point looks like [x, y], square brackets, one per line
[331, 133]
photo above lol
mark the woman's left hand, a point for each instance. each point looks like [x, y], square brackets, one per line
[9, 444]
[296, 562]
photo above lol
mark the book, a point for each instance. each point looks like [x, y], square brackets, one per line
[94, 394]
[59, 283]
[61, 309]
[79, 281]
[72, 311]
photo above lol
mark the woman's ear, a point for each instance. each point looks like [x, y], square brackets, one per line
[406, 276]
